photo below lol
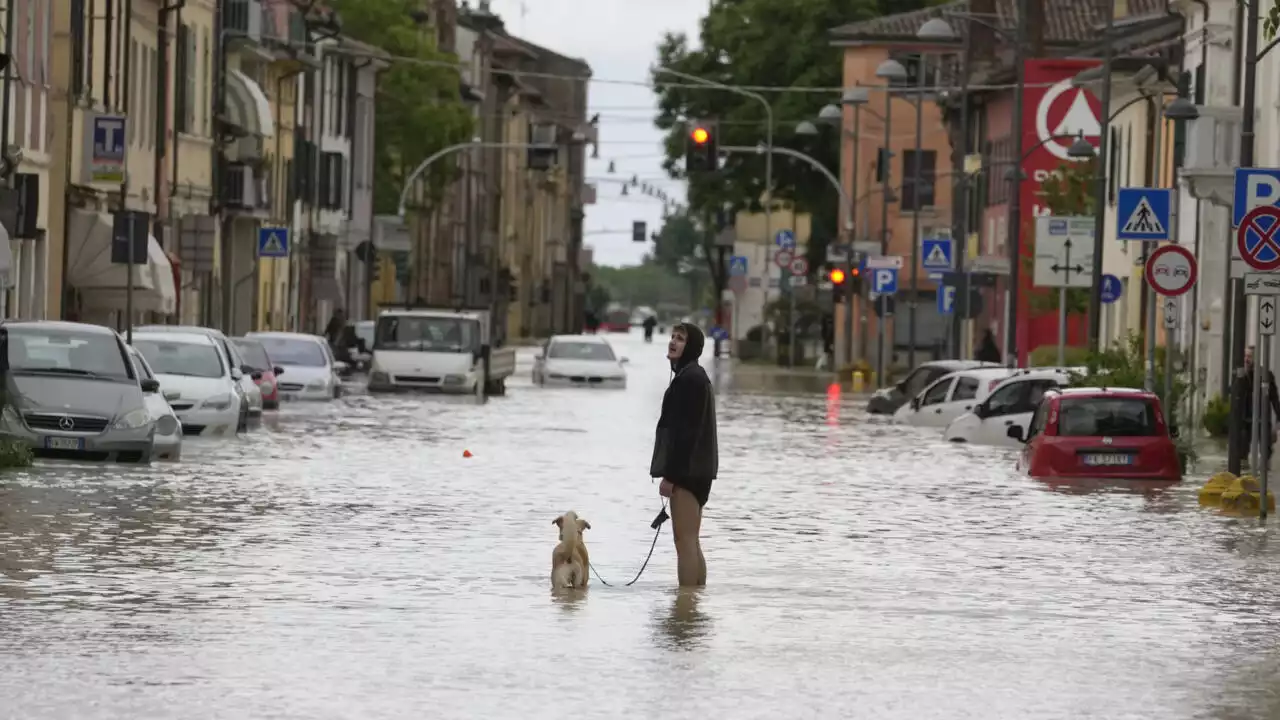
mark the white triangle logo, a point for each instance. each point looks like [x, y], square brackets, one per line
[1079, 119]
[1143, 221]
[937, 257]
[273, 245]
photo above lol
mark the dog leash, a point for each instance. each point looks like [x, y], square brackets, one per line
[657, 530]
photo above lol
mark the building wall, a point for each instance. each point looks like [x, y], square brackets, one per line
[30, 131]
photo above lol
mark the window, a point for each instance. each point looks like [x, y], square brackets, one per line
[937, 393]
[1037, 390]
[1109, 416]
[966, 389]
[187, 359]
[79, 45]
[581, 351]
[920, 380]
[255, 355]
[924, 187]
[183, 99]
[206, 84]
[35, 350]
[1008, 400]
[1037, 422]
[293, 351]
[426, 334]
[135, 96]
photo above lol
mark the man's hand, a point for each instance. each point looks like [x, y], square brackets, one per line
[665, 488]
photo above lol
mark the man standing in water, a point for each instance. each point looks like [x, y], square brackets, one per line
[686, 454]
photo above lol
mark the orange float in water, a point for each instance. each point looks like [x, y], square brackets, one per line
[466, 453]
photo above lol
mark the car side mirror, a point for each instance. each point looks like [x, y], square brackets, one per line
[247, 369]
[277, 370]
[236, 374]
[256, 375]
[624, 361]
[150, 385]
[172, 394]
[980, 410]
[1015, 432]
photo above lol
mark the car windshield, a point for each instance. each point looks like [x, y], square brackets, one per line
[255, 356]
[175, 357]
[426, 334]
[1106, 416]
[580, 351]
[66, 352]
[293, 351]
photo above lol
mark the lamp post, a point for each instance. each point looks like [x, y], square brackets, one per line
[891, 71]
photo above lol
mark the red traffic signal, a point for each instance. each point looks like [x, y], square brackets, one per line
[837, 277]
[700, 135]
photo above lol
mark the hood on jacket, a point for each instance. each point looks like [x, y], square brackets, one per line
[695, 341]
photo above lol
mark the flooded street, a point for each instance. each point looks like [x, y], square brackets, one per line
[347, 561]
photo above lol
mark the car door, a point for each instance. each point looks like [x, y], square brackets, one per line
[962, 399]
[1033, 434]
[1002, 410]
[931, 401]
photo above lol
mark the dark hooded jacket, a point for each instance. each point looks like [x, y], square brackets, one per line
[685, 450]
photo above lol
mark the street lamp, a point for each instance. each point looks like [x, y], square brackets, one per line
[891, 71]
[936, 29]
[1181, 109]
[806, 128]
[1081, 149]
[830, 113]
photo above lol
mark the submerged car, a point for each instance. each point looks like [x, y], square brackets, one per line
[581, 361]
[200, 386]
[168, 439]
[73, 393]
[886, 401]
[1112, 433]
[263, 372]
[310, 371]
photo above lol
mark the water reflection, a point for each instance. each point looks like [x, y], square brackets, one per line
[683, 626]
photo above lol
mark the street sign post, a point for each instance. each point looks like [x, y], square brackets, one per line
[1111, 289]
[785, 239]
[938, 254]
[1144, 214]
[783, 258]
[1170, 316]
[877, 262]
[1256, 238]
[799, 266]
[273, 242]
[1253, 188]
[1171, 270]
[884, 281]
[1262, 283]
[738, 265]
[946, 299]
[1267, 316]
[1064, 259]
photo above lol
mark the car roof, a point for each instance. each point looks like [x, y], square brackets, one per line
[187, 329]
[86, 328]
[954, 365]
[1105, 392]
[588, 339]
[249, 340]
[284, 336]
[189, 338]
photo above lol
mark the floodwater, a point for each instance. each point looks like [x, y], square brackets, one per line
[348, 562]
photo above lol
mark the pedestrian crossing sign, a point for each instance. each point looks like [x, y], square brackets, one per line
[937, 253]
[1144, 214]
[273, 242]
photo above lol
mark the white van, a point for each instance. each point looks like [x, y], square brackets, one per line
[1013, 402]
[437, 350]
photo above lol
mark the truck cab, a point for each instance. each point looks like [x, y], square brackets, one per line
[437, 350]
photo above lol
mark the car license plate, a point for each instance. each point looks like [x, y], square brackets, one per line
[64, 443]
[1108, 459]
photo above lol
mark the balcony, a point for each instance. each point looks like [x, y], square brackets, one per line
[246, 189]
[244, 19]
[1213, 152]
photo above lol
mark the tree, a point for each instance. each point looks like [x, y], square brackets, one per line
[419, 110]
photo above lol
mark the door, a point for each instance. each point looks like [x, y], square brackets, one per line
[964, 395]
[1012, 404]
[1034, 434]
[931, 401]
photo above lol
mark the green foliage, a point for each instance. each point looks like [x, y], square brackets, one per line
[676, 242]
[1069, 190]
[598, 298]
[1217, 417]
[419, 109]
[644, 284]
[1125, 365]
[1270, 21]
[14, 454]
[1047, 356]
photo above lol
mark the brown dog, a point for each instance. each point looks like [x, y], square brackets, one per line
[570, 563]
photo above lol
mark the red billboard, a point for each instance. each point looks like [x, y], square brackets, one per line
[1055, 113]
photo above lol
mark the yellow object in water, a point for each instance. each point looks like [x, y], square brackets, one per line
[1211, 493]
[1244, 496]
[858, 383]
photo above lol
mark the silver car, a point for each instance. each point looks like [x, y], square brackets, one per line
[73, 393]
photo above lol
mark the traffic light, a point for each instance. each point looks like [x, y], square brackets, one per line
[702, 148]
[836, 276]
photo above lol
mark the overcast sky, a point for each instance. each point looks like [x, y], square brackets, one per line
[619, 39]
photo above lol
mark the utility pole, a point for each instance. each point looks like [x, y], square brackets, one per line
[960, 211]
[1239, 310]
[1015, 188]
[1100, 187]
[916, 183]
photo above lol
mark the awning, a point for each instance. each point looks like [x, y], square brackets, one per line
[247, 105]
[102, 282]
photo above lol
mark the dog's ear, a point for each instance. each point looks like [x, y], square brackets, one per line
[583, 525]
[558, 522]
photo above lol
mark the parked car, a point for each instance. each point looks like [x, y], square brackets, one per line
[579, 361]
[73, 394]
[886, 401]
[196, 379]
[950, 397]
[310, 370]
[168, 439]
[265, 373]
[1011, 403]
[1113, 433]
[247, 387]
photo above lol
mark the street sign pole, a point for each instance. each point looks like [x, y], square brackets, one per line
[1264, 422]
[128, 283]
[1171, 322]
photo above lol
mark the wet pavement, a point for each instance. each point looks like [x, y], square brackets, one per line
[348, 562]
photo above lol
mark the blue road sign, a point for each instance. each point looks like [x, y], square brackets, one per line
[884, 281]
[1111, 290]
[946, 299]
[1254, 188]
[738, 265]
[785, 239]
[719, 333]
[1144, 214]
[273, 242]
[937, 253]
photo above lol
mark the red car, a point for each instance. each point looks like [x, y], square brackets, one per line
[1114, 433]
[265, 372]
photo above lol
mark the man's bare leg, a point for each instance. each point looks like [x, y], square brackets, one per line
[686, 524]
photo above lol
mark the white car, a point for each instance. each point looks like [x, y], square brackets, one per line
[579, 361]
[196, 380]
[1013, 402]
[950, 396]
[167, 444]
[247, 389]
[310, 370]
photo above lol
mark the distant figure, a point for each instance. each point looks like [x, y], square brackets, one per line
[592, 322]
[988, 351]
[333, 331]
[649, 324]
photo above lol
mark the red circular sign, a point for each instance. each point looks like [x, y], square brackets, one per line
[783, 258]
[1171, 270]
[799, 266]
[1265, 237]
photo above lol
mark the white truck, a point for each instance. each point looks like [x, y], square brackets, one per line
[438, 350]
